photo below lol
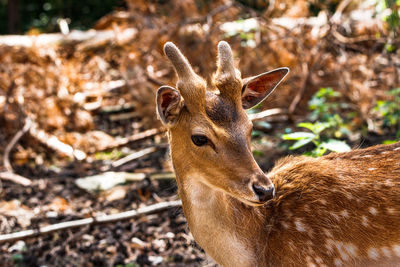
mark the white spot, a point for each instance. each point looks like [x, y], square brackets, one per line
[319, 260]
[366, 156]
[397, 148]
[372, 210]
[285, 225]
[300, 226]
[364, 221]
[338, 262]
[328, 233]
[348, 195]
[373, 253]
[344, 213]
[343, 255]
[329, 245]
[396, 250]
[306, 208]
[309, 262]
[384, 152]
[371, 169]
[389, 182]
[288, 214]
[391, 210]
[334, 215]
[341, 177]
[351, 249]
[386, 252]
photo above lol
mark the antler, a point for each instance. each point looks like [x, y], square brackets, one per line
[227, 76]
[191, 86]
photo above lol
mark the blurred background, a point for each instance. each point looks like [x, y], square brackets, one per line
[79, 135]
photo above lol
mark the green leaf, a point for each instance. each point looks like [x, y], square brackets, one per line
[336, 145]
[307, 125]
[389, 142]
[319, 151]
[256, 133]
[316, 128]
[300, 143]
[258, 153]
[298, 136]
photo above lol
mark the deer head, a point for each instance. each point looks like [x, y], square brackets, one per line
[208, 128]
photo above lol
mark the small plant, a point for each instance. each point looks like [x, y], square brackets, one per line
[388, 10]
[109, 155]
[326, 126]
[325, 108]
[389, 111]
[322, 142]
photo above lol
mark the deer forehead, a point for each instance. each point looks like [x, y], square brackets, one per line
[220, 110]
[221, 116]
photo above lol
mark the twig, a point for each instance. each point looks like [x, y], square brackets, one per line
[266, 113]
[14, 140]
[52, 142]
[133, 138]
[162, 176]
[15, 178]
[87, 38]
[133, 156]
[90, 221]
[117, 108]
[9, 173]
[124, 116]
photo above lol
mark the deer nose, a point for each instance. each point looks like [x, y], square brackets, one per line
[264, 193]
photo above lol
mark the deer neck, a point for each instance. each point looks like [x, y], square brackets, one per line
[218, 222]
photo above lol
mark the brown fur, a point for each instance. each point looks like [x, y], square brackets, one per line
[338, 210]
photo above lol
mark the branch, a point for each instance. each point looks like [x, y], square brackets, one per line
[133, 156]
[132, 138]
[14, 140]
[266, 113]
[13, 177]
[91, 221]
[9, 174]
[88, 39]
[52, 142]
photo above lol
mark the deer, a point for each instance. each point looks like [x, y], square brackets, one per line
[341, 209]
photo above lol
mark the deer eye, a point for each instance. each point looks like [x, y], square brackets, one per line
[199, 140]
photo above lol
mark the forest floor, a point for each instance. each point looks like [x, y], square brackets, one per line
[89, 98]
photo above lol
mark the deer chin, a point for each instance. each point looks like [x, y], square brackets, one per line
[252, 203]
[246, 200]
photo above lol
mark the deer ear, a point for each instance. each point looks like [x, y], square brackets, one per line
[256, 89]
[169, 104]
